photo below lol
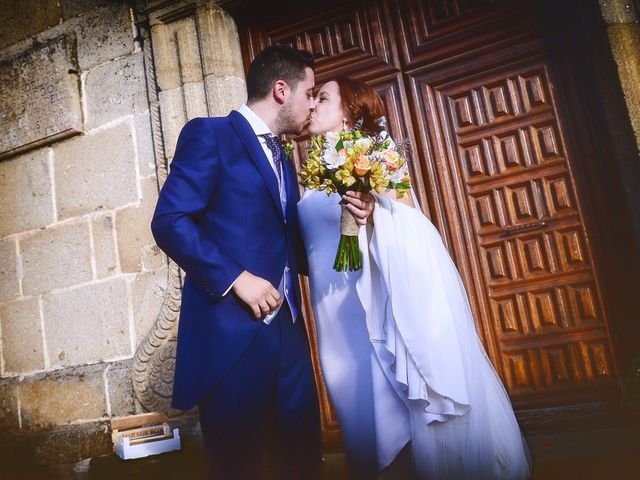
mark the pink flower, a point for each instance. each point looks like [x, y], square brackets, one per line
[392, 159]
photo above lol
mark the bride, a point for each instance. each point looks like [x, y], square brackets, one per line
[413, 388]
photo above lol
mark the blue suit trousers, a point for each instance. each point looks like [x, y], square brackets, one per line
[265, 407]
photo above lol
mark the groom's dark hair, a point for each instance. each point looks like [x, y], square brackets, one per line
[278, 62]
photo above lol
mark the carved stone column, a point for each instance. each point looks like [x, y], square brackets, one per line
[194, 68]
[622, 17]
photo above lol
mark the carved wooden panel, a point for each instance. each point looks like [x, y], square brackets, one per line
[509, 174]
[427, 26]
[343, 40]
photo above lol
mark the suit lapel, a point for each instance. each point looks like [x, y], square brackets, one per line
[252, 145]
[291, 186]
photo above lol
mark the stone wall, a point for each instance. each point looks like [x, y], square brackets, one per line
[92, 97]
[81, 281]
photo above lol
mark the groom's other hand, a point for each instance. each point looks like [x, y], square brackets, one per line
[257, 293]
[360, 205]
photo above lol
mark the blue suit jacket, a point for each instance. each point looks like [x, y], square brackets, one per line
[219, 213]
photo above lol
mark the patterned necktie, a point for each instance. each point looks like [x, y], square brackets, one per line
[273, 144]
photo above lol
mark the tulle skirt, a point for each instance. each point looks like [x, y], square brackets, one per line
[461, 419]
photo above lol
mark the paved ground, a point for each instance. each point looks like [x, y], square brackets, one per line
[606, 453]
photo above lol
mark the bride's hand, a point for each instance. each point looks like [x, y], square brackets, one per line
[360, 205]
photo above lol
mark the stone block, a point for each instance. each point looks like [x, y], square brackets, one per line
[618, 11]
[624, 40]
[147, 294]
[144, 144]
[153, 258]
[173, 118]
[95, 171]
[21, 336]
[25, 193]
[165, 57]
[187, 49]
[224, 94]
[40, 96]
[22, 19]
[56, 257]
[115, 89]
[103, 34]
[9, 421]
[9, 287]
[221, 54]
[73, 8]
[62, 397]
[80, 442]
[104, 247]
[39, 455]
[120, 388]
[134, 227]
[195, 101]
[87, 324]
[176, 53]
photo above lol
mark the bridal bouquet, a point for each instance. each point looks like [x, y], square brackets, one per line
[351, 160]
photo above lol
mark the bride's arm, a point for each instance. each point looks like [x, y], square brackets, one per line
[361, 205]
[407, 200]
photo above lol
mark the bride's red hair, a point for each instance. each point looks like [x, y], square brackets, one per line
[360, 101]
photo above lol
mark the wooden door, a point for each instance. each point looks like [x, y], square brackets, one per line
[475, 88]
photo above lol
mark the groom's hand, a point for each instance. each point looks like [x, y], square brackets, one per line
[257, 293]
[360, 205]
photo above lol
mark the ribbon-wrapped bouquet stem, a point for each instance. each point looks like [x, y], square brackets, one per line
[351, 160]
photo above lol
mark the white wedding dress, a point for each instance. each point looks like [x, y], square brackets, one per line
[400, 354]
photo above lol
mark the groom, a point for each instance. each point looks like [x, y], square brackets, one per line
[227, 216]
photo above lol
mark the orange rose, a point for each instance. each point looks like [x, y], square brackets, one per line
[362, 165]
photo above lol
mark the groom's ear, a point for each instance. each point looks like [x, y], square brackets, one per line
[280, 91]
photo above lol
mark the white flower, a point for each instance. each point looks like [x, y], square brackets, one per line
[332, 138]
[331, 158]
[396, 177]
[364, 141]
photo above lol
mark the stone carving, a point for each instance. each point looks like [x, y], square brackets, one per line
[40, 96]
[154, 361]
